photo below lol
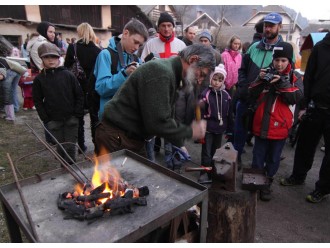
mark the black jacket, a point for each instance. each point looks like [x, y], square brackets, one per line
[57, 95]
[86, 53]
[317, 75]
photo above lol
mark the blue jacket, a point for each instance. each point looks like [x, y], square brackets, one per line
[106, 84]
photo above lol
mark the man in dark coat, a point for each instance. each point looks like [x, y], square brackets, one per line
[315, 123]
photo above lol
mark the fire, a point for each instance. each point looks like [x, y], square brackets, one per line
[107, 192]
[104, 173]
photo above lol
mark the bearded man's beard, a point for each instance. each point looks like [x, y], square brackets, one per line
[190, 79]
[271, 36]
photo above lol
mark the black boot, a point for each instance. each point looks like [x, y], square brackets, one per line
[266, 194]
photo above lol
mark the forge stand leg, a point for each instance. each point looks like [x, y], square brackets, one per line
[203, 220]
[13, 228]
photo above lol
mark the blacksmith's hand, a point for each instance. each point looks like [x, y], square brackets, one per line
[199, 129]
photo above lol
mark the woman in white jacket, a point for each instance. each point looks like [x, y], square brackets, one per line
[46, 33]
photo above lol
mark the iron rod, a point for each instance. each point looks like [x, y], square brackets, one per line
[34, 232]
[60, 145]
[59, 158]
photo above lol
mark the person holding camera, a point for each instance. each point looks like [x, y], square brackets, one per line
[273, 94]
[259, 55]
[315, 123]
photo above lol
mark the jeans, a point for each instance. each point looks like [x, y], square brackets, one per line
[7, 88]
[309, 135]
[14, 85]
[150, 149]
[267, 154]
[65, 131]
[240, 133]
[171, 160]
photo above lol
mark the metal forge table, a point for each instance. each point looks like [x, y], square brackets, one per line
[170, 195]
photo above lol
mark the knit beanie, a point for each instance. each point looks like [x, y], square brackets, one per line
[206, 34]
[220, 69]
[283, 49]
[165, 17]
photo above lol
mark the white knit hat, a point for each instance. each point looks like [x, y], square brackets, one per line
[219, 69]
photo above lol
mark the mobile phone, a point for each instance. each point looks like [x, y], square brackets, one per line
[133, 63]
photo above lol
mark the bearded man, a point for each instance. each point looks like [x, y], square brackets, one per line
[258, 56]
[144, 106]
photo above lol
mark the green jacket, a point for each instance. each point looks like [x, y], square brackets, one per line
[144, 105]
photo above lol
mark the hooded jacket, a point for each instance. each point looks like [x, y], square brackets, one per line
[317, 75]
[232, 61]
[217, 110]
[107, 84]
[57, 95]
[32, 48]
[273, 117]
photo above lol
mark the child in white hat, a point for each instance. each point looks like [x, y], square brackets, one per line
[217, 112]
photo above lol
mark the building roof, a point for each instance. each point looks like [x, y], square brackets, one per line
[313, 28]
[202, 16]
[147, 8]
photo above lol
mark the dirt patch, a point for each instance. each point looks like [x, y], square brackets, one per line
[287, 218]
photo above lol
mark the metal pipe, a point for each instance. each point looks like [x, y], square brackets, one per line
[34, 232]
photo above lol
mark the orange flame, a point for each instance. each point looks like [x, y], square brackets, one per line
[105, 173]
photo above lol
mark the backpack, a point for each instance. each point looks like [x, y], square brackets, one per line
[93, 97]
[76, 68]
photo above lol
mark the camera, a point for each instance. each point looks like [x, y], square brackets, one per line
[270, 72]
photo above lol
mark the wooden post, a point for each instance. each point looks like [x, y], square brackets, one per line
[231, 216]
[231, 211]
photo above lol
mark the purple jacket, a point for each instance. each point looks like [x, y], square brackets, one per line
[217, 112]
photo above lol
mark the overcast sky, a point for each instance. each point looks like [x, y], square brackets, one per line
[313, 10]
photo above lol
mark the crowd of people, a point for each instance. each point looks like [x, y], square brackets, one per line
[149, 85]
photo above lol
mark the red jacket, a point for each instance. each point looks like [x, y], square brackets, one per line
[275, 105]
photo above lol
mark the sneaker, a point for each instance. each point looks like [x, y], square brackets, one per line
[322, 148]
[25, 109]
[315, 196]
[291, 181]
